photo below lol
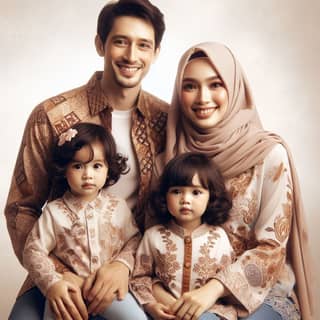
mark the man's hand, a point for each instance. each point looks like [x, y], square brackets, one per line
[158, 311]
[192, 304]
[108, 283]
[63, 305]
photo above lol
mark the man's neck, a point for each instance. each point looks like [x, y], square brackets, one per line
[120, 98]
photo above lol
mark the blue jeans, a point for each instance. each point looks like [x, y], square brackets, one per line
[265, 312]
[30, 306]
[125, 309]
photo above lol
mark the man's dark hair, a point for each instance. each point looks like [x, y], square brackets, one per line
[142, 9]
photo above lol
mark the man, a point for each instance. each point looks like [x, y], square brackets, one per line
[128, 37]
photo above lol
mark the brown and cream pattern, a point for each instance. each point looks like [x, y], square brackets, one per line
[82, 235]
[160, 257]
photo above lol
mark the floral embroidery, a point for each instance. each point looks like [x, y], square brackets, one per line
[207, 267]
[167, 263]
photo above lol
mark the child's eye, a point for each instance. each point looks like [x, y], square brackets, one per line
[196, 192]
[97, 165]
[175, 191]
[77, 166]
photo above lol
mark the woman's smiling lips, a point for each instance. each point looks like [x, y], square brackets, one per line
[204, 112]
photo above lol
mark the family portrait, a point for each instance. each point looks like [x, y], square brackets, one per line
[160, 160]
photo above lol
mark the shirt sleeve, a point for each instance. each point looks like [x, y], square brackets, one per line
[256, 270]
[40, 242]
[142, 277]
[30, 183]
[131, 235]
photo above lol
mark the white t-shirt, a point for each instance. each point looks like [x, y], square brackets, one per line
[127, 185]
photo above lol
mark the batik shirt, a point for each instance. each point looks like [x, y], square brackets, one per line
[258, 229]
[180, 262]
[31, 182]
[83, 235]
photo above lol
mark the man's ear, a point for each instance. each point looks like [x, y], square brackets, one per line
[156, 54]
[99, 46]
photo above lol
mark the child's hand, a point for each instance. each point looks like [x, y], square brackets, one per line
[59, 296]
[158, 311]
[192, 304]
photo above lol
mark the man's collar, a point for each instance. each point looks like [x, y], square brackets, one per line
[98, 100]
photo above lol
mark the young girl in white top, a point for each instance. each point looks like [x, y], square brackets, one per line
[87, 228]
[189, 247]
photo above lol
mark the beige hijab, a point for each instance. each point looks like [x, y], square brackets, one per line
[238, 142]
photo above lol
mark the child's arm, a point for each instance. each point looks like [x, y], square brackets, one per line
[40, 242]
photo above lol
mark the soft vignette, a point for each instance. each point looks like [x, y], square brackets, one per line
[47, 48]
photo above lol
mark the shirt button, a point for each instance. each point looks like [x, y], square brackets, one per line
[187, 265]
[187, 239]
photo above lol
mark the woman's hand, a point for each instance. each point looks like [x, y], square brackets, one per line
[192, 304]
[108, 283]
[61, 296]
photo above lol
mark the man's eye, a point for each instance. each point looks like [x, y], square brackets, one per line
[120, 42]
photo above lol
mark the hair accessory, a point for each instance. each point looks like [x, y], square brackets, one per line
[67, 136]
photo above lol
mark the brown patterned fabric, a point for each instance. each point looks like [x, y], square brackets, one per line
[31, 182]
[239, 143]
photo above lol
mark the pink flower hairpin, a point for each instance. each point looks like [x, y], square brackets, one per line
[67, 136]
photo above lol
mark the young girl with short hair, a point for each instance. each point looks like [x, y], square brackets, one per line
[87, 227]
[189, 247]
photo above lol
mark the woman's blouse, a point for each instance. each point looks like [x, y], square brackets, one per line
[180, 262]
[83, 235]
[258, 229]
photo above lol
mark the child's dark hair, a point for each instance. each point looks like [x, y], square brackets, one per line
[179, 172]
[143, 9]
[87, 133]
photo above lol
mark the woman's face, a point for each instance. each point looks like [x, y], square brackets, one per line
[204, 98]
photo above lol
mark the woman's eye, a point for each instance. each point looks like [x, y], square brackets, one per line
[216, 84]
[97, 165]
[189, 87]
[196, 192]
[77, 166]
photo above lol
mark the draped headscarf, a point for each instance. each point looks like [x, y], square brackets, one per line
[237, 143]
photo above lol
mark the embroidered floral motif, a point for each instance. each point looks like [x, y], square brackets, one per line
[207, 267]
[167, 262]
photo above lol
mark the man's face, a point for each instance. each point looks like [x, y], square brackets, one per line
[128, 52]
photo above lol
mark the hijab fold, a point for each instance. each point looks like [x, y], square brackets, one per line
[237, 143]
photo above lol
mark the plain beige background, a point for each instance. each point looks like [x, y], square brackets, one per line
[48, 47]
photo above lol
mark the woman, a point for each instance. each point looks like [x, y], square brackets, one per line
[213, 112]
